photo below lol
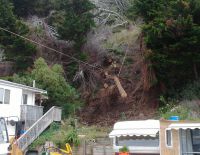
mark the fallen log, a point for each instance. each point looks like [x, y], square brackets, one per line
[118, 84]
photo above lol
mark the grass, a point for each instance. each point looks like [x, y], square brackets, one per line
[65, 133]
[125, 37]
[186, 110]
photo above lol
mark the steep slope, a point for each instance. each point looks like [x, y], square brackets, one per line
[104, 105]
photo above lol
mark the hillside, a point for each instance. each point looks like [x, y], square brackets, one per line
[73, 49]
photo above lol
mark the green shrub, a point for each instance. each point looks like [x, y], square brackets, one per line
[72, 138]
[124, 149]
[191, 91]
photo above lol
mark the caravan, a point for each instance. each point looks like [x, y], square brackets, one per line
[157, 137]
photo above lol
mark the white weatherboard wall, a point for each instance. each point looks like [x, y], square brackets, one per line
[12, 109]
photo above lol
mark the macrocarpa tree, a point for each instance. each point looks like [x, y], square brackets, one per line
[78, 21]
[172, 32]
[15, 48]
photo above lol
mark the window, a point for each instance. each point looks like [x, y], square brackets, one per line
[196, 140]
[25, 98]
[4, 96]
[1, 95]
[137, 141]
[7, 96]
[169, 138]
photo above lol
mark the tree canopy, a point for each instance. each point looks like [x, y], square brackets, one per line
[15, 48]
[60, 93]
[78, 21]
[172, 32]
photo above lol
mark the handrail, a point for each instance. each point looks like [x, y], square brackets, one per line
[54, 114]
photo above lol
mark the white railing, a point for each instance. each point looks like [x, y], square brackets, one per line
[54, 114]
[30, 114]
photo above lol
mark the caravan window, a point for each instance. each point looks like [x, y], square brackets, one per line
[137, 141]
[196, 140]
[168, 138]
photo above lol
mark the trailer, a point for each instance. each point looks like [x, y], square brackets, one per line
[157, 137]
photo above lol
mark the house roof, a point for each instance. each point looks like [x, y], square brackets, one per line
[136, 128]
[24, 87]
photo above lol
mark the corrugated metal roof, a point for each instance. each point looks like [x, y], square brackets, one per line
[24, 87]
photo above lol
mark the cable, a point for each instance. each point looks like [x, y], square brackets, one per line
[123, 62]
[52, 49]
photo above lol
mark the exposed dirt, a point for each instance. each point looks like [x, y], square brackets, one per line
[105, 106]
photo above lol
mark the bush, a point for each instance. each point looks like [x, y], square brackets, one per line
[72, 138]
[181, 111]
[191, 91]
[172, 32]
[124, 149]
[60, 93]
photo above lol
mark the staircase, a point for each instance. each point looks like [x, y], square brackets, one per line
[54, 114]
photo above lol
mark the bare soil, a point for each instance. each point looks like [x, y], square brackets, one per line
[104, 105]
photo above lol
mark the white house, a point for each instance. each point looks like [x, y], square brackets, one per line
[17, 102]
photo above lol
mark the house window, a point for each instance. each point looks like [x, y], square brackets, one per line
[169, 138]
[4, 96]
[1, 95]
[7, 96]
[25, 99]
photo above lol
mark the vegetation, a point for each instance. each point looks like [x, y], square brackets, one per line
[78, 21]
[15, 49]
[60, 93]
[24, 8]
[124, 149]
[66, 133]
[172, 32]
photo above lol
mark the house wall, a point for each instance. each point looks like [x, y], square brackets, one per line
[175, 149]
[13, 110]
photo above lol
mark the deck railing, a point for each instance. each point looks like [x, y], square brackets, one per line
[54, 114]
[30, 114]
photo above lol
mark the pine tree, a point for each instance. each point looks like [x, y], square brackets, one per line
[78, 21]
[173, 35]
[16, 49]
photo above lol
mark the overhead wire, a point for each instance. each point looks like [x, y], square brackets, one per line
[51, 49]
[123, 61]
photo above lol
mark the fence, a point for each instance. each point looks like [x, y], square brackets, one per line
[102, 146]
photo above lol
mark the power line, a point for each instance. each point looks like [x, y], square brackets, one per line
[52, 49]
[124, 58]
